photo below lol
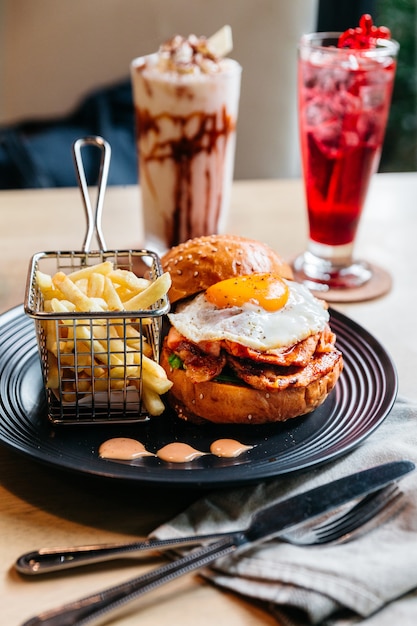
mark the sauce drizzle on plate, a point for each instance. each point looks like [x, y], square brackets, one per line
[123, 449]
[228, 448]
[178, 452]
[127, 449]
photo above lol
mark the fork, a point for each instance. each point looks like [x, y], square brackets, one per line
[110, 602]
[337, 529]
[369, 512]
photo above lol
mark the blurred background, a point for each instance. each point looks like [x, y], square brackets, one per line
[400, 147]
[64, 73]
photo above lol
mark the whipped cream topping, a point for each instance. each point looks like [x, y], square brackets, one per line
[188, 55]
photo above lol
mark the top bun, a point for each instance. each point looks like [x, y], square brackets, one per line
[198, 263]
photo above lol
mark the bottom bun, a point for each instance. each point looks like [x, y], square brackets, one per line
[226, 403]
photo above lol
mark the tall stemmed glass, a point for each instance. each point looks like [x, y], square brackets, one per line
[344, 100]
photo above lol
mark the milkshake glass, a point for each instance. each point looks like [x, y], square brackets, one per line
[186, 106]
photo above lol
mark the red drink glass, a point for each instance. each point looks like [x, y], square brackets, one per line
[344, 100]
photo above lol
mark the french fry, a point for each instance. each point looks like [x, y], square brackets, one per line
[83, 362]
[95, 285]
[154, 292]
[68, 389]
[101, 354]
[84, 384]
[82, 284]
[129, 280]
[43, 281]
[152, 401]
[111, 296]
[99, 372]
[99, 348]
[101, 268]
[153, 367]
[113, 346]
[50, 330]
[141, 347]
[135, 340]
[47, 288]
[117, 384]
[157, 384]
[62, 306]
[125, 372]
[67, 360]
[70, 290]
[100, 384]
[53, 373]
[84, 351]
[124, 293]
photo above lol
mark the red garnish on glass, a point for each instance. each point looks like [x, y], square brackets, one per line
[363, 36]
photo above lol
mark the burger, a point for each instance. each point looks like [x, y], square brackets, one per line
[246, 344]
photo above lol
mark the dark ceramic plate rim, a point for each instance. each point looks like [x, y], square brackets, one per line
[361, 400]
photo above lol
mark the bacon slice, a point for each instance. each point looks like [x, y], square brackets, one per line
[295, 365]
[199, 366]
[299, 354]
[273, 377]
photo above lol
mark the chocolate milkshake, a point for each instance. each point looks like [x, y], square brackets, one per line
[186, 103]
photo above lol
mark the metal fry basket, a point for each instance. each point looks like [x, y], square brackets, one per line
[93, 362]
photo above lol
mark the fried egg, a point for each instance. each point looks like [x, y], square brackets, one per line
[266, 290]
[253, 312]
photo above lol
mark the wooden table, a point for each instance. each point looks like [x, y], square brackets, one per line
[40, 506]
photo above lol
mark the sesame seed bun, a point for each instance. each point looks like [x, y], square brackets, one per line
[201, 262]
[228, 403]
[196, 265]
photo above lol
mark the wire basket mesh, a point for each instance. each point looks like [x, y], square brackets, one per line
[93, 361]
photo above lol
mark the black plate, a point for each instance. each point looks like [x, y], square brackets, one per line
[359, 403]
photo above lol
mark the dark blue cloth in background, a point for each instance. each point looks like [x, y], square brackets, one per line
[39, 154]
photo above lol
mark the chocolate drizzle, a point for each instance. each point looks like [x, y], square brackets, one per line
[192, 135]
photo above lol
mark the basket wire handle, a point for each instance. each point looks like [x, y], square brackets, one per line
[93, 219]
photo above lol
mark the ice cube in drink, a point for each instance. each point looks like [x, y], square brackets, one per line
[344, 102]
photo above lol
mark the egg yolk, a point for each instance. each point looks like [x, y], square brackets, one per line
[268, 291]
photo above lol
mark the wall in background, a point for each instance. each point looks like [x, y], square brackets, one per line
[55, 53]
[400, 146]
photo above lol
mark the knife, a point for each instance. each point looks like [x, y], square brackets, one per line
[44, 561]
[265, 524]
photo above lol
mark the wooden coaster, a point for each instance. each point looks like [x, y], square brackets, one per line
[378, 285]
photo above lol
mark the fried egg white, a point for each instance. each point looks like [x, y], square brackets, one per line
[251, 325]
